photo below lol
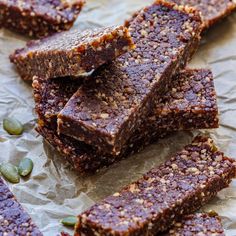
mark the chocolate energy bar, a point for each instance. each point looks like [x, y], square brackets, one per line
[198, 224]
[39, 18]
[189, 104]
[211, 10]
[71, 53]
[106, 111]
[180, 186]
[13, 219]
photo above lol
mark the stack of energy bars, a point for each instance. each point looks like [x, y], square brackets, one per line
[104, 94]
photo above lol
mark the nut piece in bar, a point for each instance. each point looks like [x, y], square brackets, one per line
[198, 224]
[189, 104]
[106, 111]
[211, 10]
[14, 220]
[39, 18]
[71, 53]
[178, 187]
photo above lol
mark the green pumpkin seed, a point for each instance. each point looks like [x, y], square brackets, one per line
[69, 221]
[25, 167]
[12, 126]
[212, 213]
[214, 148]
[10, 172]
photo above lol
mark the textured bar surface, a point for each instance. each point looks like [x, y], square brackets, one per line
[200, 224]
[51, 96]
[211, 10]
[180, 186]
[39, 18]
[13, 219]
[106, 113]
[71, 53]
[189, 104]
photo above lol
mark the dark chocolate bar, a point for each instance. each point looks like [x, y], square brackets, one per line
[200, 224]
[106, 111]
[71, 53]
[189, 104]
[14, 220]
[39, 18]
[178, 187]
[211, 10]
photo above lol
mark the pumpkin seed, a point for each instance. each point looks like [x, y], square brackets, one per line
[25, 167]
[12, 126]
[10, 172]
[214, 148]
[69, 221]
[212, 213]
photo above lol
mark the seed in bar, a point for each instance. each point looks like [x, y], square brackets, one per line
[71, 53]
[106, 111]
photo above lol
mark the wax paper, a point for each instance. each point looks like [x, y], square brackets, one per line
[54, 191]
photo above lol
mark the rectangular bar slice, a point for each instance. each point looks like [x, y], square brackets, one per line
[211, 10]
[205, 224]
[71, 53]
[189, 104]
[106, 111]
[180, 186]
[39, 18]
[13, 218]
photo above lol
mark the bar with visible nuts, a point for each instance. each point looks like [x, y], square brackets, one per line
[178, 187]
[211, 10]
[106, 111]
[71, 53]
[14, 220]
[189, 104]
[39, 18]
[206, 224]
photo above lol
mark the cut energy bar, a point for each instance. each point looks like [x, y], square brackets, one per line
[14, 220]
[71, 53]
[39, 18]
[211, 10]
[180, 186]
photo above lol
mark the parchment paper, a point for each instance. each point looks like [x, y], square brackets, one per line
[53, 191]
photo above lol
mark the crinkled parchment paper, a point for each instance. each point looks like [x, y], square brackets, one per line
[53, 191]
